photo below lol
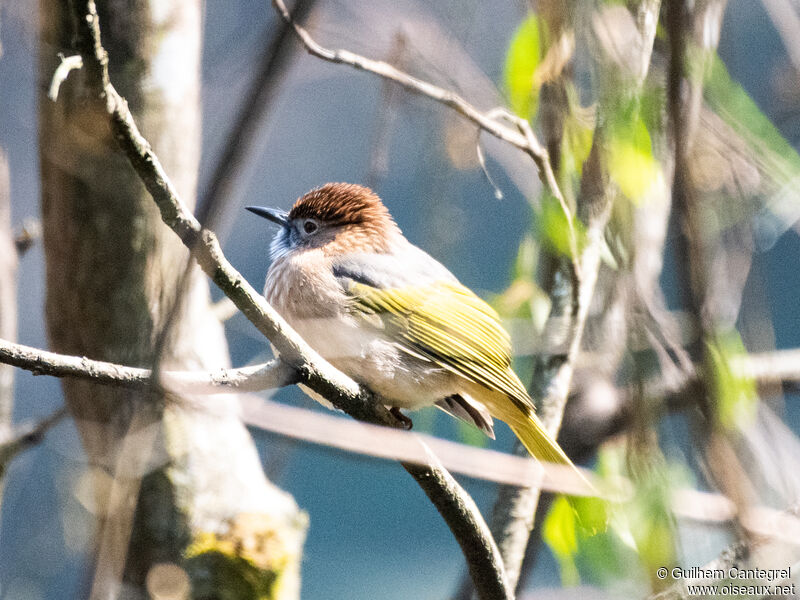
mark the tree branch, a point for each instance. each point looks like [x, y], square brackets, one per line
[453, 502]
[520, 136]
[313, 370]
[269, 375]
[26, 437]
[465, 521]
[514, 512]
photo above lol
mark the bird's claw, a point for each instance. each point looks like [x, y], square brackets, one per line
[404, 421]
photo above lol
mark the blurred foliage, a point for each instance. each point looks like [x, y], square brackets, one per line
[736, 394]
[631, 163]
[524, 299]
[553, 228]
[599, 541]
[731, 102]
[522, 60]
[576, 144]
[775, 162]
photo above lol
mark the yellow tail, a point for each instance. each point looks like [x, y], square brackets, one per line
[530, 431]
[538, 442]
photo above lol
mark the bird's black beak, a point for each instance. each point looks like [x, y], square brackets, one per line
[281, 217]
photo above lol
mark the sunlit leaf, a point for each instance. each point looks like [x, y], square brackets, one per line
[736, 395]
[559, 532]
[576, 531]
[523, 58]
[554, 227]
[631, 163]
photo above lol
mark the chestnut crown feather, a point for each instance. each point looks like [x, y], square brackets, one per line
[342, 204]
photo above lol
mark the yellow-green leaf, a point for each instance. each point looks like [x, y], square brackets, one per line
[630, 162]
[522, 60]
[736, 395]
[559, 532]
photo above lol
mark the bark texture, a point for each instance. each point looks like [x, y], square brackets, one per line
[184, 486]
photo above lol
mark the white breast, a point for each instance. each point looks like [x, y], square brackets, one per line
[302, 288]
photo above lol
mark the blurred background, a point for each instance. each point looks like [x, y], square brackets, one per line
[372, 533]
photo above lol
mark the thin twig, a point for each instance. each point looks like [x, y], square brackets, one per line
[521, 136]
[550, 178]
[498, 193]
[311, 368]
[468, 527]
[27, 436]
[61, 73]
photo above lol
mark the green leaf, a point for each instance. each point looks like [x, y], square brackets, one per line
[630, 158]
[554, 228]
[522, 59]
[736, 395]
[576, 531]
[559, 532]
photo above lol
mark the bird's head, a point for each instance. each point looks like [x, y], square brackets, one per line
[338, 218]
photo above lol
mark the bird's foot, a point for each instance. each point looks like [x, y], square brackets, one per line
[404, 420]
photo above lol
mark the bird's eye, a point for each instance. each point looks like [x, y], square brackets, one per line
[310, 226]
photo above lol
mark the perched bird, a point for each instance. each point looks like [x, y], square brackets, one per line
[384, 312]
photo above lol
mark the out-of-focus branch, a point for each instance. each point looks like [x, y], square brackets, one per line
[312, 369]
[26, 437]
[734, 556]
[779, 366]
[273, 374]
[515, 508]
[384, 121]
[490, 465]
[786, 20]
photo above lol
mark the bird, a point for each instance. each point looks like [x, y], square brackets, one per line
[392, 318]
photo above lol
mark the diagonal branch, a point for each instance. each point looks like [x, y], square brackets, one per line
[313, 370]
[26, 437]
[452, 501]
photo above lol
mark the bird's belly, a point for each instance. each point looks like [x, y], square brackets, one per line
[398, 378]
[352, 346]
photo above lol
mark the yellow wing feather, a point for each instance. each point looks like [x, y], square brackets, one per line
[448, 324]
